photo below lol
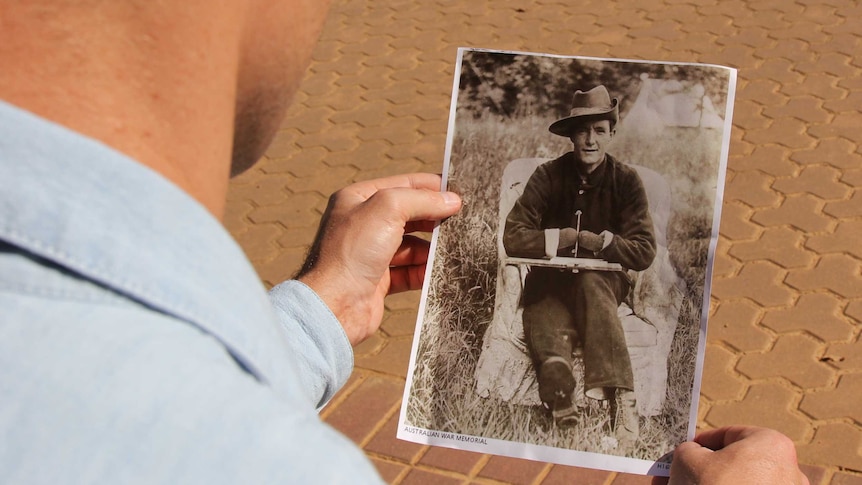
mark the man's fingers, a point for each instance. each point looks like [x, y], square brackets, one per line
[419, 226]
[412, 202]
[407, 269]
[368, 188]
[716, 439]
[407, 205]
[413, 251]
[405, 278]
[687, 459]
[689, 449]
[763, 455]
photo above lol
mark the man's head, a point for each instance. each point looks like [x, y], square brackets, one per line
[186, 88]
[595, 104]
[590, 125]
[590, 140]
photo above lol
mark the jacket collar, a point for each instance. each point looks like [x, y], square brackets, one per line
[595, 177]
[101, 215]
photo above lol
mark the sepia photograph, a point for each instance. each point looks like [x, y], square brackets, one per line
[564, 312]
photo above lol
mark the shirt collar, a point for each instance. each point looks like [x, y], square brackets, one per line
[593, 178]
[88, 208]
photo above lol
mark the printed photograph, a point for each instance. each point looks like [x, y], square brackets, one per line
[564, 311]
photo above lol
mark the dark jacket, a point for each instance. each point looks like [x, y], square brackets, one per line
[612, 199]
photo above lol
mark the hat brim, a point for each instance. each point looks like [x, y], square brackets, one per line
[564, 126]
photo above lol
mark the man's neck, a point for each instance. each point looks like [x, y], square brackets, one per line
[157, 84]
[586, 170]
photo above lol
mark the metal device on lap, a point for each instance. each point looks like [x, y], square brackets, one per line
[573, 264]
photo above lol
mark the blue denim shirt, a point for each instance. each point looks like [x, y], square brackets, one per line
[137, 344]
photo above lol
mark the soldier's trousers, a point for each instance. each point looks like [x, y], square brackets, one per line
[582, 308]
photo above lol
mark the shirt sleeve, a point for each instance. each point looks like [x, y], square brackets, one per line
[523, 235]
[634, 246]
[317, 340]
[115, 393]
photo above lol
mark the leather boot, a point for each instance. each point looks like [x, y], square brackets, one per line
[556, 386]
[626, 424]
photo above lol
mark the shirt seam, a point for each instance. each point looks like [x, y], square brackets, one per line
[135, 292]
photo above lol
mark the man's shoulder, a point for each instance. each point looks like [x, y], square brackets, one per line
[619, 166]
[555, 165]
[624, 172]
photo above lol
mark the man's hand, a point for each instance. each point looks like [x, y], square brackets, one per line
[364, 251]
[568, 236]
[736, 454]
[590, 241]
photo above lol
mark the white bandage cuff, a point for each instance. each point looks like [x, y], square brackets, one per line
[552, 242]
[608, 237]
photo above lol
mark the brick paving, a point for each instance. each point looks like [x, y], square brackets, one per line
[784, 346]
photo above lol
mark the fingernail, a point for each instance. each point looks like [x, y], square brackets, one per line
[451, 198]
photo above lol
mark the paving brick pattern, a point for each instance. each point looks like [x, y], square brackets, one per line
[784, 344]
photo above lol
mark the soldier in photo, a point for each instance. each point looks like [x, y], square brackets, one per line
[584, 204]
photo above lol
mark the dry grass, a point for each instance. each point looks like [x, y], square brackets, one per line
[461, 298]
